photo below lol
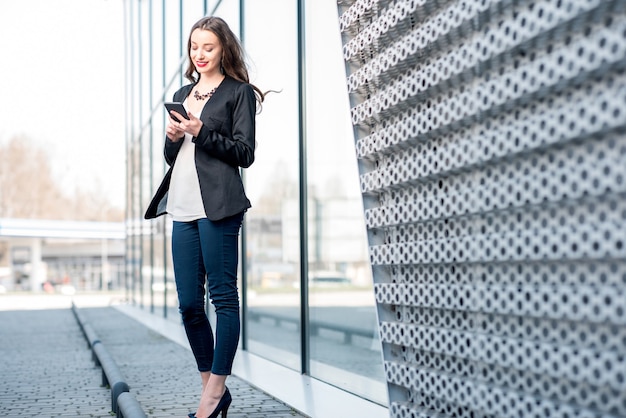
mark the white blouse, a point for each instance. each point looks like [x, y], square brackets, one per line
[184, 201]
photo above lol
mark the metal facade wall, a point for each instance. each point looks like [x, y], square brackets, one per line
[492, 152]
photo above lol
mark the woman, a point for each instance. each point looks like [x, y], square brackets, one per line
[204, 194]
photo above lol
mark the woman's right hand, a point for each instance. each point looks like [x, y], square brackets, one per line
[174, 130]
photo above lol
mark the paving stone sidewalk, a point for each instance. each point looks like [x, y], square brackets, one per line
[46, 369]
[162, 375]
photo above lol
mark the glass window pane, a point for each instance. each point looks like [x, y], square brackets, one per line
[273, 256]
[345, 348]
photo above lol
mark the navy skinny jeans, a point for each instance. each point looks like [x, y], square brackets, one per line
[205, 250]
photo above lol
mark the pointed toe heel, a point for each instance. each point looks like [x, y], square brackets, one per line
[222, 405]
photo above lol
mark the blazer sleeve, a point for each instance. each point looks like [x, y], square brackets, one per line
[171, 149]
[238, 149]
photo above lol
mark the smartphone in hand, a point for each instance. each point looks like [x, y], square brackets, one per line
[178, 107]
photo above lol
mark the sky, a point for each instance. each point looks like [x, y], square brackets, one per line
[62, 87]
[62, 83]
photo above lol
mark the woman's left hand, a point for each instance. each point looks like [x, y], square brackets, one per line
[191, 125]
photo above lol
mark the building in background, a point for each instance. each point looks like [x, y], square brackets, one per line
[61, 256]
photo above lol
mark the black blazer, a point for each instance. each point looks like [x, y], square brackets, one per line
[225, 143]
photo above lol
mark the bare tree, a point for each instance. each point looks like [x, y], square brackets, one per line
[29, 191]
[279, 187]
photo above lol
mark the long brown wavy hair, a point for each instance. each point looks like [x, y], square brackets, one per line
[233, 64]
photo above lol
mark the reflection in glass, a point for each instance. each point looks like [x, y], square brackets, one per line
[344, 344]
[345, 349]
[273, 275]
[272, 224]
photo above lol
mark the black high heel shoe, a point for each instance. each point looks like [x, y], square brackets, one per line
[222, 405]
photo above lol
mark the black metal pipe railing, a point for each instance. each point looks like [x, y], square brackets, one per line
[129, 407]
[123, 404]
[314, 327]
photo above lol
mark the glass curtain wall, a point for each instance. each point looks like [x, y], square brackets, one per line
[272, 320]
[338, 341]
[344, 343]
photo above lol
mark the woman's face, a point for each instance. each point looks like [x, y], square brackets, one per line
[205, 52]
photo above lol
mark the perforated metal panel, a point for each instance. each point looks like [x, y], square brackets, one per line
[491, 139]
